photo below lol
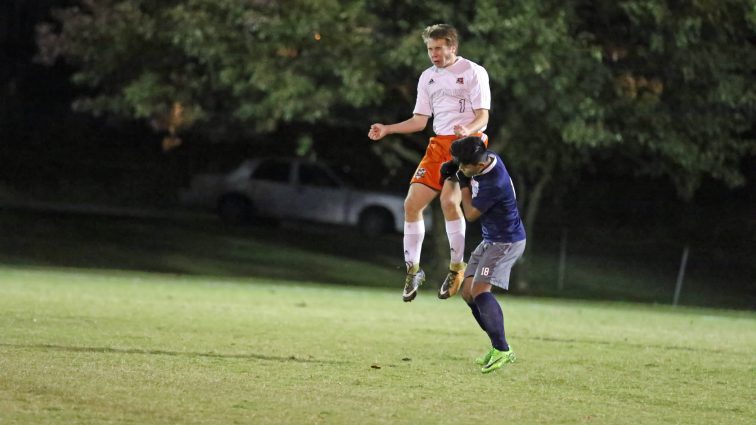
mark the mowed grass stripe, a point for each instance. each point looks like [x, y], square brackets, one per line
[78, 346]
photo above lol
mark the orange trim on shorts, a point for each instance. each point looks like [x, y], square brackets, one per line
[428, 172]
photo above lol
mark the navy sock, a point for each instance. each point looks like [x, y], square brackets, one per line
[492, 319]
[476, 314]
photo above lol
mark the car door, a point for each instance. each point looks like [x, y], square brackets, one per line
[320, 196]
[271, 187]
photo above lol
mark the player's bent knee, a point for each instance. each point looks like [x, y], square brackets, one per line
[479, 288]
[451, 209]
[414, 203]
[467, 290]
[449, 203]
[468, 297]
[413, 210]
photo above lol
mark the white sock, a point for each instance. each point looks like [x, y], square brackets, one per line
[414, 233]
[455, 230]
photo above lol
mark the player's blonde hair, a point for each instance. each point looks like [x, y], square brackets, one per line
[441, 32]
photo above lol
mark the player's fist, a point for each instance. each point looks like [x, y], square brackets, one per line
[377, 131]
[448, 169]
[461, 131]
[464, 181]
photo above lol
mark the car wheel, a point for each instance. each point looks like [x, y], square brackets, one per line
[235, 209]
[375, 222]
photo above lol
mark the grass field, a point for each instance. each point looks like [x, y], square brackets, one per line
[202, 246]
[94, 347]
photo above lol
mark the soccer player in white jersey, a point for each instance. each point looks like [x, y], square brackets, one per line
[455, 92]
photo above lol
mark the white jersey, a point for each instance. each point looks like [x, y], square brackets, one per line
[450, 95]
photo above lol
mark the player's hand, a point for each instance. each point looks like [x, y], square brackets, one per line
[448, 170]
[377, 131]
[464, 181]
[461, 131]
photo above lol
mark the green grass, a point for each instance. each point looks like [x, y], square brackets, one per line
[196, 246]
[201, 246]
[87, 347]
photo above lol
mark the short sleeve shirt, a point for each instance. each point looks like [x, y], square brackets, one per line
[493, 194]
[452, 94]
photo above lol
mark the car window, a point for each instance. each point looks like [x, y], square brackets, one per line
[312, 175]
[272, 170]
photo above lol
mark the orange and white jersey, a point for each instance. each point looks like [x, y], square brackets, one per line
[450, 95]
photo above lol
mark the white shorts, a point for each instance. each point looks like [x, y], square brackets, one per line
[492, 262]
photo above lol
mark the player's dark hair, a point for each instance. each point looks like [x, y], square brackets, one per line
[469, 150]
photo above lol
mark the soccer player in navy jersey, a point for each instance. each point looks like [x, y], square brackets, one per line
[488, 195]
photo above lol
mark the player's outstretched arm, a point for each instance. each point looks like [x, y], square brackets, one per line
[416, 123]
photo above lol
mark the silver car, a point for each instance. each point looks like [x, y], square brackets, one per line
[295, 189]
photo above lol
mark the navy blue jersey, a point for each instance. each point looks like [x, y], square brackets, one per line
[494, 196]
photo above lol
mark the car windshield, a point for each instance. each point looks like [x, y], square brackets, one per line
[346, 175]
[314, 175]
[272, 170]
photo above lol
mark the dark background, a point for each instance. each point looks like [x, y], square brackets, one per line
[51, 156]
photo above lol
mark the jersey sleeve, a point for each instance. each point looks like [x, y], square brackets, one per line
[480, 91]
[423, 102]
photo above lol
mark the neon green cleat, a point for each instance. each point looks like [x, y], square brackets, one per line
[498, 359]
[484, 360]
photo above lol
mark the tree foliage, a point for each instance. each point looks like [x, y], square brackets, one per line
[662, 86]
[656, 87]
[682, 105]
[257, 62]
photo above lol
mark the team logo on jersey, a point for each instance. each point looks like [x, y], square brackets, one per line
[431, 81]
[460, 80]
[420, 173]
